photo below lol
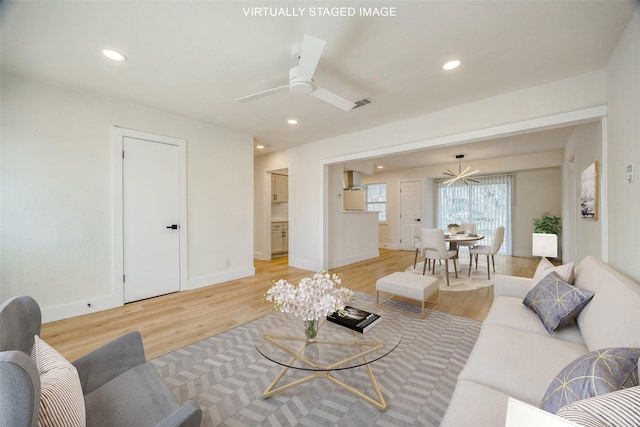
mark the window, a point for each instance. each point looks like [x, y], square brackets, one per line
[488, 204]
[376, 200]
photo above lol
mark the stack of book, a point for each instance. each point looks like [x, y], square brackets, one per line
[355, 319]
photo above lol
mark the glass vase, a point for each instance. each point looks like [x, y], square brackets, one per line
[311, 329]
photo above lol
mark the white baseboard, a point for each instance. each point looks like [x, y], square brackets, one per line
[92, 305]
[303, 264]
[76, 308]
[523, 253]
[261, 256]
[214, 279]
[335, 263]
[393, 246]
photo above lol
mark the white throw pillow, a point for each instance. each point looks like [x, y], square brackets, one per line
[619, 408]
[565, 271]
[61, 398]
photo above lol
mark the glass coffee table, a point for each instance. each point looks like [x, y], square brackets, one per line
[282, 340]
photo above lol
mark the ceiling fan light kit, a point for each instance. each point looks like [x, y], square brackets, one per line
[301, 77]
[297, 85]
[462, 175]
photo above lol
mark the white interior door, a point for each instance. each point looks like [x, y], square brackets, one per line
[410, 210]
[151, 218]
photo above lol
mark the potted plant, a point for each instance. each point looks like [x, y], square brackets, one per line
[453, 228]
[546, 224]
[545, 235]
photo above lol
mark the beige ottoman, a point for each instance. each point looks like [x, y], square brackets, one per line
[409, 285]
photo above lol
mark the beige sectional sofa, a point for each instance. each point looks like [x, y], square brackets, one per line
[516, 357]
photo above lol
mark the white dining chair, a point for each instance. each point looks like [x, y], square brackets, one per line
[435, 248]
[489, 251]
[416, 241]
[468, 228]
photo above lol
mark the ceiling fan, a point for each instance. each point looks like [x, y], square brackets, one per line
[461, 175]
[301, 77]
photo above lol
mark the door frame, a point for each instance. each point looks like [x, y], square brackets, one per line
[402, 245]
[266, 251]
[117, 136]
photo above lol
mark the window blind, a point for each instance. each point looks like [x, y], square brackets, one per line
[487, 204]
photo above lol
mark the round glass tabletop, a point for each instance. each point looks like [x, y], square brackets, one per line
[282, 340]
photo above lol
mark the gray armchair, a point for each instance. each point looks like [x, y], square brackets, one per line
[119, 387]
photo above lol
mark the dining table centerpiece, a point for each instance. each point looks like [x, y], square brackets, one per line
[311, 299]
[453, 228]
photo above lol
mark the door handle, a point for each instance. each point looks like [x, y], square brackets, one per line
[173, 226]
[417, 219]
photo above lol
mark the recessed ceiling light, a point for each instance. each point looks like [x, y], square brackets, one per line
[114, 55]
[380, 167]
[292, 121]
[451, 65]
[260, 147]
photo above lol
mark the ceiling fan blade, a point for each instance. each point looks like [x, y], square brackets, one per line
[262, 94]
[333, 99]
[309, 57]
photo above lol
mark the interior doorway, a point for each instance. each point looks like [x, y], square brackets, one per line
[150, 221]
[410, 210]
[278, 227]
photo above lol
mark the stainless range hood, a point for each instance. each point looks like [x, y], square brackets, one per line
[352, 181]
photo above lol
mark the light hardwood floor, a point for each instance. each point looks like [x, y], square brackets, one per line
[172, 321]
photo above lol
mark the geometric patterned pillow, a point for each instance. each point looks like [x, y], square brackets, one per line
[61, 398]
[555, 302]
[593, 374]
[619, 408]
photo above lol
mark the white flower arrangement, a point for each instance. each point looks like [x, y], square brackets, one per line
[314, 297]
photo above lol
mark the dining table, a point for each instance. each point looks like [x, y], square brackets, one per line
[455, 240]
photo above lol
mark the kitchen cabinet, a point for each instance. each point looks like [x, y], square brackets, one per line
[279, 237]
[279, 188]
[353, 200]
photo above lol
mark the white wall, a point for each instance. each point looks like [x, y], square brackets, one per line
[584, 147]
[622, 149]
[56, 224]
[535, 192]
[527, 108]
[353, 236]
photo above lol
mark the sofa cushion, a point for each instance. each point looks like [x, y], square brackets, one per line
[619, 408]
[61, 399]
[616, 299]
[592, 374]
[520, 364]
[477, 405]
[556, 302]
[137, 397]
[509, 311]
[565, 271]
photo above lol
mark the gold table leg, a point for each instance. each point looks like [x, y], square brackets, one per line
[271, 390]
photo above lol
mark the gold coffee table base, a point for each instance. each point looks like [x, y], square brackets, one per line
[323, 371]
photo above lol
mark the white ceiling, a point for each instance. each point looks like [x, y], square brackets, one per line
[195, 57]
[541, 141]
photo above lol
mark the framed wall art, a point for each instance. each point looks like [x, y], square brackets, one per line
[589, 192]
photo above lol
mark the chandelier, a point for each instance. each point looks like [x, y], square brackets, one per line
[461, 175]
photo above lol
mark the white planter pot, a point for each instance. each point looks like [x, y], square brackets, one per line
[544, 245]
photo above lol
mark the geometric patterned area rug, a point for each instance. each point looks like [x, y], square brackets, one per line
[463, 282]
[226, 375]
